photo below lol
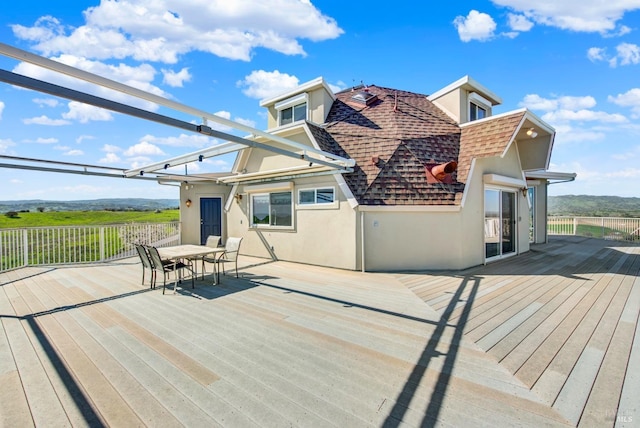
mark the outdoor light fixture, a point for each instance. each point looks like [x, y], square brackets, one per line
[187, 203]
[532, 133]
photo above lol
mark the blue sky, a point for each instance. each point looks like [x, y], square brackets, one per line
[573, 63]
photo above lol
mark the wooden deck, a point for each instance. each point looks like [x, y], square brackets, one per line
[548, 338]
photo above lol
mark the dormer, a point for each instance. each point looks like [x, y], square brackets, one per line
[466, 100]
[310, 101]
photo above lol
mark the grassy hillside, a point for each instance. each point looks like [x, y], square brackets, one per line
[71, 218]
[112, 204]
[594, 206]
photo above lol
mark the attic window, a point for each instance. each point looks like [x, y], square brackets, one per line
[479, 107]
[292, 109]
[364, 97]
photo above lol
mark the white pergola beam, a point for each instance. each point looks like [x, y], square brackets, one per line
[30, 58]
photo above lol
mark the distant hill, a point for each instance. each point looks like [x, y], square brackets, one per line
[594, 206]
[114, 204]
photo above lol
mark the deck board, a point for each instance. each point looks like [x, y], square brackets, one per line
[547, 338]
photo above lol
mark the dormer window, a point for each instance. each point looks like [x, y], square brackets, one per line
[292, 110]
[479, 107]
[476, 112]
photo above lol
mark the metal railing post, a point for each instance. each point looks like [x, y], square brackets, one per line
[102, 244]
[25, 248]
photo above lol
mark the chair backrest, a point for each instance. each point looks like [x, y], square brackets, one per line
[231, 248]
[144, 256]
[155, 257]
[213, 241]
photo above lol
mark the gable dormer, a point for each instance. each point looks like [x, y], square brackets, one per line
[310, 101]
[466, 100]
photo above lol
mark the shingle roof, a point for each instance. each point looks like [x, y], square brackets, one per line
[485, 139]
[404, 132]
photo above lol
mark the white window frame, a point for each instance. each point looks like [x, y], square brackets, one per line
[292, 103]
[480, 102]
[316, 204]
[268, 189]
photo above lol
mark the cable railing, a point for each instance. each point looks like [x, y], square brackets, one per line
[55, 245]
[610, 228]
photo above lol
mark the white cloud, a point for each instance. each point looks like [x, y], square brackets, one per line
[571, 134]
[41, 140]
[633, 153]
[575, 15]
[264, 84]
[110, 148]
[74, 152]
[143, 148]
[176, 79]
[5, 144]
[149, 30]
[62, 148]
[1, 109]
[626, 54]
[584, 116]
[536, 102]
[110, 158]
[85, 113]
[81, 138]
[46, 102]
[631, 99]
[246, 122]
[596, 54]
[44, 120]
[182, 140]
[140, 77]
[475, 26]
[519, 23]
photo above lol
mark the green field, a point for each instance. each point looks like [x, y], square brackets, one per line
[86, 218]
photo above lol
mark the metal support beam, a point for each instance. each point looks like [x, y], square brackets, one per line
[25, 56]
[49, 88]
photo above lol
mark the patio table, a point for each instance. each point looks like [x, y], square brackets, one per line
[190, 251]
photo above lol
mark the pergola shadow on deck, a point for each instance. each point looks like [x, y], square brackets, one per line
[547, 338]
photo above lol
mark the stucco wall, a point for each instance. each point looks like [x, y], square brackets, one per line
[402, 240]
[190, 216]
[321, 236]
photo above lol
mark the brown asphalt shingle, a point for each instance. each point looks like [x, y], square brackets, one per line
[406, 132]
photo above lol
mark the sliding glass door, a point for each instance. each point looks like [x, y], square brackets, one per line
[499, 223]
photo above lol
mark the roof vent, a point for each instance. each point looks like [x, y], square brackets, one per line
[364, 97]
[440, 173]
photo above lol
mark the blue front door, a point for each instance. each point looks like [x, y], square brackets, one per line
[210, 218]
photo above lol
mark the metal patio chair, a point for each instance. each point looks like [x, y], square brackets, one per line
[168, 266]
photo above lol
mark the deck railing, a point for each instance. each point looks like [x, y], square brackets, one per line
[611, 228]
[80, 244]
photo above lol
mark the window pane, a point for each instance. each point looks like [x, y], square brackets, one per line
[473, 112]
[307, 197]
[482, 113]
[492, 222]
[281, 209]
[300, 112]
[286, 116]
[324, 196]
[260, 209]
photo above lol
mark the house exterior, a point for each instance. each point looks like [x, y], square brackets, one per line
[439, 181]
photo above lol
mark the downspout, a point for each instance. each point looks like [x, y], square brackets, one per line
[362, 240]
